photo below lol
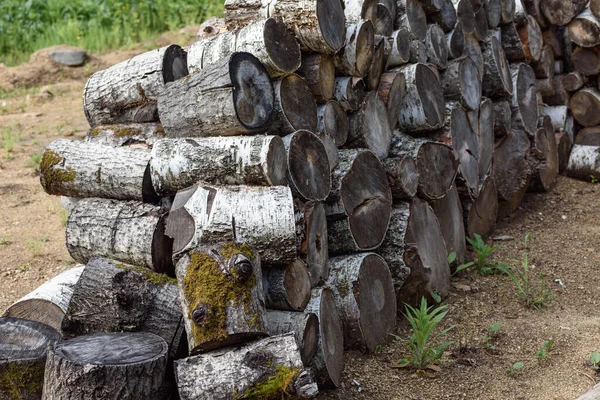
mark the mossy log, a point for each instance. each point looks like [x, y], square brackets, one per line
[48, 303]
[523, 104]
[130, 232]
[365, 298]
[461, 82]
[294, 107]
[333, 122]
[497, 76]
[318, 71]
[399, 48]
[449, 213]
[221, 293]
[23, 349]
[584, 162]
[543, 157]
[264, 369]
[357, 54]
[480, 214]
[287, 288]
[392, 87]
[305, 327]
[349, 92]
[142, 135]
[412, 17]
[128, 91]
[444, 17]
[107, 366]
[311, 238]
[369, 127]
[403, 177]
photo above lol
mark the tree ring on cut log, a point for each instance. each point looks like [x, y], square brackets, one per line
[585, 106]
[332, 29]
[443, 158]
[253, 95]
[431, 95]
[311, 339]
[297, 103]
[174, 64]
[25, 340]
[281, 45]
[308, 166]
[502, 65]
[297, 284]
[334, 122]
[331, 329]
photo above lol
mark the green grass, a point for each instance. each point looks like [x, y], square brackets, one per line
[96, 25]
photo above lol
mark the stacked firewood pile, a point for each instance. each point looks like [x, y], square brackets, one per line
[247, 208]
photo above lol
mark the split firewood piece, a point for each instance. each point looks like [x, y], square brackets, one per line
[461, 82]
[360, 10]
[361, 199]
[369, 127]
[333, 122]
[377, 64]
[49, 302]
[23, 349]
[437, 47]
[262, 216]
[114, 297]
[481, 24]
[449, 213]
[311, 239]
[445, 17]
[559, 95]
[511, 171]
[357, 55]
[384, 23]
[126, 135]
[485, 137]
[502, 119]
[588, 137]
[127, 231]
[585, 106]
[584, 162]
[574, 81]
[480, 214]
[456, 42]
[365, 298]
[524, 99]
[287, 288]
[236, 160]
[77, 169]
[473, 51]
[294, 107]
[128, 91]
[403, 177]
[544, 67]
[561, 12]
[436, 163]
[423, 103]
[349, 92]
[318, 71]
[392, 88]
[318, 25]
[493, 9]
[544, 157]
[231, 97]
[268, 368]
[399, 52]
[221, 294]
[107, 366]
[305, 327]
[267, 39]
[411, 16]
[465, 15]
[328, 363]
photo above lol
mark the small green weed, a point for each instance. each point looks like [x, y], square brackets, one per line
[595, 360]
[64, 216]
[483, 265]
[5, 241]
[593, 178]
[515, 368]
[23, 267]
[9, 139]
[36, 245]
[492, 333]
[544, 350]
[34, 160]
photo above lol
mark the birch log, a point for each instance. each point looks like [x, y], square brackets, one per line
[497, 77]
[357, 55]
[437, 47]
[126, 135]
[585, 106]
[524, 99]
[411, 16]
[261, 216]
[584, 162]
[377, 64]
[287, 288]
[242, 372]
[231, 97]
[456, 42]
[128, 91]
[76, 169]
[449, 213]
[318, 71]
[392, 87]
[48, 303]
[305, 327]
[465, 15]
[349, 92]
[311, 239]
[564, 150]
[403, 177]
[369, 127]
[561, 12]
[24, 347]
[480, 214]
[357, 10]
[365, 299]
[588, 137]
[294, 106]
[221, 295]
[384, 23]
[333, 122]
[445, 17]
[107, 366]
[130, 232]
[544, 157]
[461, 82]
[399, 52]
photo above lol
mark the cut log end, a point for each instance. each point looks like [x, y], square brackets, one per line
[308, 166]
[296, 282]
[434, 183]
[281, 46]
[295, 106]
[174, 64]
[330, 14]
[480, 215]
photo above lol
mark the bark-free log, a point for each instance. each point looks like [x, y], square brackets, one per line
[311, 239]
[107, 366]
[128, 91]
[305, 327]
[437, 47]
[49, 302]
[480, 214]
[561, 12]
[357, 55]
[333, 122]
[524, 99]
[403, 177]
[364, 294]
[266, 369]
[392, 87]
[411, 16]
[126, 231]
[449, 213]
[369, 127]
[221, 293]
[456, 42]
[231, 97]
[465, 14]
[399, 52]
[23, 348]
[287, 288]
[294, 107]
[544, 157]
[77, 169]
[126, 135]
[584, 162]
[445, 17]
[235, 160]
[349, 92]
[461, 82]
[318, 71]
[585, 106]
[423, 103]
[262, 216]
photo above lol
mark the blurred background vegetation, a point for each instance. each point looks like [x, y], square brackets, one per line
[95, 25]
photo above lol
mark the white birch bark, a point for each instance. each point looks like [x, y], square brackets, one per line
[584, 162]
[305, 327]
[357, 10]
[126, 135]
[357, 55]
[399, 53]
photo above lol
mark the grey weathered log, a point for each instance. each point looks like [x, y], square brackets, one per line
[524, 99]
[480, 214]
[369, 127]
[544, 67]
[585, 106]
[411, 16]
[423, 103]
[221, 296]
[377, 64]
[318, 71]
[357, 10]
[437, 47]
[333, 122]
[574, 81]
[561, 12]
[142, 135]
[304, 326]
[511, 43]
[311, 238]
[584, 163]
[392, 87]
[418, 51]
[543, 157]
[23, 349]
[508, 11]
[287, 288]
[349, 92]
[559, 95]
[403, 177]
[357, 55]
[444, 17]
[384, 23]
[449, 213]
[502, 118]
[399, 52]
[461, 82]
[473, 51]
[365, 298]
[588, 136]
[127, 231]
[128, 91]
[481, 24]
[485, 137]
[531, 39]
[432, 6]
[69, 57]
[231, 97]
[465, 15]
[494, 12]
[456, 42]
[107, 366]
[294, 107]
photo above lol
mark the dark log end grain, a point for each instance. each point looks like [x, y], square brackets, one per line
[526, 98]
[310, 339]
[334, 122]
[332, 22]
[466, 15]
[456, 42]
[308, 166]
[281, 45]
[480, 216]
[470, 83]
[435, 182]
[297, 284]
[494, 12]
[297, 103]
[174, 64]
[431, 94]
[384, 24]
[332, 336]
[586, 60]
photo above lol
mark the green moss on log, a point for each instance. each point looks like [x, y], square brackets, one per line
[272, 386]
[52, 174]
[21, 380]
[151, 276]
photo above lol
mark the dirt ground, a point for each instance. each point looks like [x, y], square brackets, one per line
[565, 231]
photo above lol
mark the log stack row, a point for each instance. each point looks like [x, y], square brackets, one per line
[245, 209]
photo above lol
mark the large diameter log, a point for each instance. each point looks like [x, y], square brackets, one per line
[328, 363]
[449, 213]
[287, 288]
[349, 92]
[399, 53]
[524, 99]
[262, 216]
[369, 127]
[126, 135]
[333, 122]
[221, 294]
[494, 12]
[77, 169]
[436, 163]
[357, 55]
[411, 16]
[392, 87]
[23, 351]
[588, 137]
[445, 17]
[235, 160]
[437, 47]
[456, 42]
[423, 103]
[305, 327]
[48, 303]
[231, 97]
[128, 91]
[544, 157]
[461, 82]
[365, 299]
[294, 107]
[357, 10]
[561, 12]
[311, 240]
[267, 369]
[107, 366]
[485, 137]
[480, 214]
[318, 71]
[403, 177]
[585, 106]
[131, 232]
[584, 162]
[465, 15]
